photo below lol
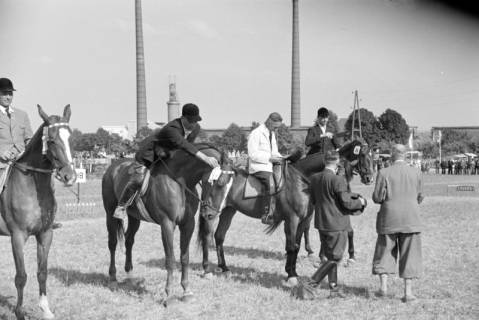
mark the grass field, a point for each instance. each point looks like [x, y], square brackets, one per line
[78, 267]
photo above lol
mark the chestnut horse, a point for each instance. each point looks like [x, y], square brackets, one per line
[171, 190]
[27, 203]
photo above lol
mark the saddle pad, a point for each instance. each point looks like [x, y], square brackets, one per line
[144, 214]
[253, 188]
[3, 177]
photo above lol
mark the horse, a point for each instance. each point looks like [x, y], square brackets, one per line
[27, 203]
[170, 199]
[293, 205]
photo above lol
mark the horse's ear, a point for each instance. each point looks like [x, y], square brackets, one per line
[42, 113]
[67, 112]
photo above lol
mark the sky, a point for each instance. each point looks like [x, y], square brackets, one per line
[233, 59]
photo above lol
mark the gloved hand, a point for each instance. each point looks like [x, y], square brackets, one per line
[7, 155]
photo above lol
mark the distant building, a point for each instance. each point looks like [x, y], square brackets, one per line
[128, 131]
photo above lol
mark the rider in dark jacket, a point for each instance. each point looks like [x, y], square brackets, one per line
[177, 134]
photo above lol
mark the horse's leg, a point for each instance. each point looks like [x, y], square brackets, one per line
[307, 225]
[223, 226]
[205, 229]
[133, 225]
[18, 242]
[290, 228]
[113, 226]
[186, 231]
[167, 233]
[44, 241]
[351, 244]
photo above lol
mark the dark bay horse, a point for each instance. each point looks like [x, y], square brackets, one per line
[28, 205]
[292, 202]
[171, 189]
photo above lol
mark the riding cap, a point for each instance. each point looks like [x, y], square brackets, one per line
[276, 117]
[323, 113]
[191, 112]
[6, 85]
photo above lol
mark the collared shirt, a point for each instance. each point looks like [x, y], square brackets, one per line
[261, 149]
[7, 110]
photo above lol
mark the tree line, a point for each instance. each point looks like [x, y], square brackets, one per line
[381, 132]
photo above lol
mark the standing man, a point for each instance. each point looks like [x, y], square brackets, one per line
[263, 153]
[177, 134]
[333, 204]
[399, 192]
[15, 129]
[320, 139]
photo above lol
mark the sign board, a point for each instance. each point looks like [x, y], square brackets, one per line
[81, 175]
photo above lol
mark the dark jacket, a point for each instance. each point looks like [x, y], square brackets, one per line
[318, 143]
[170, 137]
[332, 202]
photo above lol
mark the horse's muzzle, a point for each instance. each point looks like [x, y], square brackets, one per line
[367, 180]
[67, 175]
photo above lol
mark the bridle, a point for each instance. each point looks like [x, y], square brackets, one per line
[46, 139]
[213, 179]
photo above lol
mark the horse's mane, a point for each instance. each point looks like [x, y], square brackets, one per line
[205, 145]
[33, 141]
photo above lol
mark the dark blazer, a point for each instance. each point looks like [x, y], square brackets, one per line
[318, 143]
[332, 201]
[170, 137]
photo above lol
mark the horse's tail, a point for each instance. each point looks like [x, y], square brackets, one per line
[204, 232]
[272, 228]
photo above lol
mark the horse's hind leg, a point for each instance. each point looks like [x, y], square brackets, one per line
[44, 241]
[133, 225]
[186, 231]
[18, 243]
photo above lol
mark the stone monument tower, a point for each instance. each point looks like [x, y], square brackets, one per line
[173, 103]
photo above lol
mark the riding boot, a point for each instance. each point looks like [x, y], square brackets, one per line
[129, 192]
[270, 205]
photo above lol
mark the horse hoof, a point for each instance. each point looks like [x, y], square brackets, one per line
[188, 297]
[113, 285]
[218, 270]
[208, 275]
[290, 282]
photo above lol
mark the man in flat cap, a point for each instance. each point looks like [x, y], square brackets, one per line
[333, 205]
[399, 192]
[15, 129]
[176, 134]
[263, 153]
[320, 138]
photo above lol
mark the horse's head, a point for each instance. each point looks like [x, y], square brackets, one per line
[215, 189]
[56, 146]
[358, 154]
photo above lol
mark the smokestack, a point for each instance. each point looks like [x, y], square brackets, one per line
[141, 115]
[173, 103]
[295, 81]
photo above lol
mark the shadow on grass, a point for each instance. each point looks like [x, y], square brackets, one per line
[7, 302]
[244, 275]
[70, 277]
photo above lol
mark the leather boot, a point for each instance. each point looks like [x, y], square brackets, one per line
[129, 192]
[270, 206]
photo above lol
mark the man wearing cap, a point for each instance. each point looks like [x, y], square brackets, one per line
[176, 134]
[333, 204]
[399, 192]
[15, 129]
[320, 139]
[263, 153]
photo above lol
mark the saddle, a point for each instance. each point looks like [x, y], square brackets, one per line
[4, 173]
[138, 200]
[254, 188]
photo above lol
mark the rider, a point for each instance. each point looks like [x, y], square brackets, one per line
[179, 133]
[15, 129]
[263, 153]
[320, 139]
[15, 132]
